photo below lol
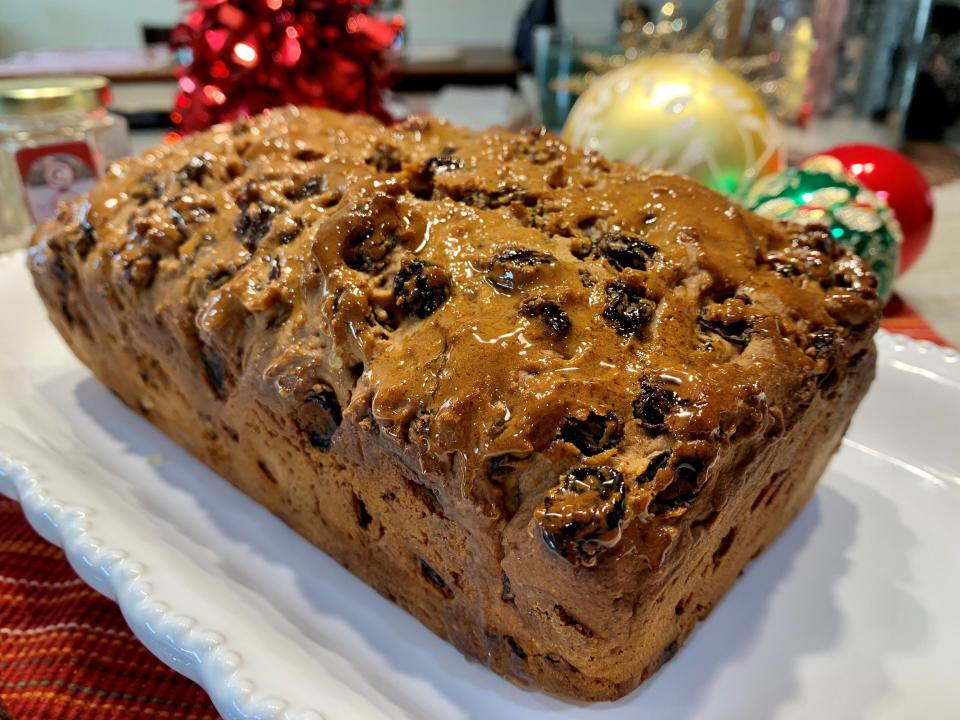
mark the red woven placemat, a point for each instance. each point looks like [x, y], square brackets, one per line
[66, 653]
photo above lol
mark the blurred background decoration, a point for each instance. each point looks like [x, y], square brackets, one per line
[935, 106]
[850, 63]
[682, 112]
[849, 70]
[239, 57]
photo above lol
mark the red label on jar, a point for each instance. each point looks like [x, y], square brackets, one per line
[51, 173]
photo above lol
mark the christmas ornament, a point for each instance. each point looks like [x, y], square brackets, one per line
[820, 192]
[683, 113]
[242, 56]
[897, 181]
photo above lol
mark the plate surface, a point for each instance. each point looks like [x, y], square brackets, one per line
[852, 613]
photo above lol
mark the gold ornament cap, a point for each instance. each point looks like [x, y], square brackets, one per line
[31, 96]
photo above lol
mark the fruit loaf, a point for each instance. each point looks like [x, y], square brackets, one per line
[549, 404]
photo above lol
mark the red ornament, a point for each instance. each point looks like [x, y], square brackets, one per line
[244, 56]
[894, 179]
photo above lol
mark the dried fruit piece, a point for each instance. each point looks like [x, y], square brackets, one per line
[420, 425]
[803, 264]
[141, 271]
[502, 471]
[85, 239]
[515, 267]
[435, 578]
[506, 592]
[320, 416]
[365, 249]
[681, 490]
[370, 233]
[736, 332]
[625, 251]
[592, 434]
[502, 465]
[818, 237]
[386, 158]
[196, 169]
[732, 319]
[493, 199]
[823, 343]
[824, 347]
[214, 371]
[551, 314]
[582, 515]
[188, 209]
[309, 188]
[254, 223]
[515, 648]
[442, 163]
[652, 406]
[308, 155]
[290, 233]
[421, 181]
[628, 309]
[219, 277]
[654, 465]
[420, 288]
[147, 188]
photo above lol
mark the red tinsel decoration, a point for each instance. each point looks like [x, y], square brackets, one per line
[243, 56]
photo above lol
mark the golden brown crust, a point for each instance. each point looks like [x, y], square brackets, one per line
[558, 365]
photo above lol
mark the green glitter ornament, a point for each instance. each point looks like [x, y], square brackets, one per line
[820, 192]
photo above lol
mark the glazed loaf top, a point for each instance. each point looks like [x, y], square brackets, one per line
[532, 325]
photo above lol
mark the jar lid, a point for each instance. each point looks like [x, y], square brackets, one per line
[53, 94]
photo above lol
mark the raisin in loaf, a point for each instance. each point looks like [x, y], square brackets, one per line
[549, 404]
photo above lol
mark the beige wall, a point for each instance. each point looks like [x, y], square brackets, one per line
[31, 24]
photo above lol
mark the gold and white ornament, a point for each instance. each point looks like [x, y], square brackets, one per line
[682, 113]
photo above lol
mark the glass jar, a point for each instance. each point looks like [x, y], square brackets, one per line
[564, 63]
[56, 140]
